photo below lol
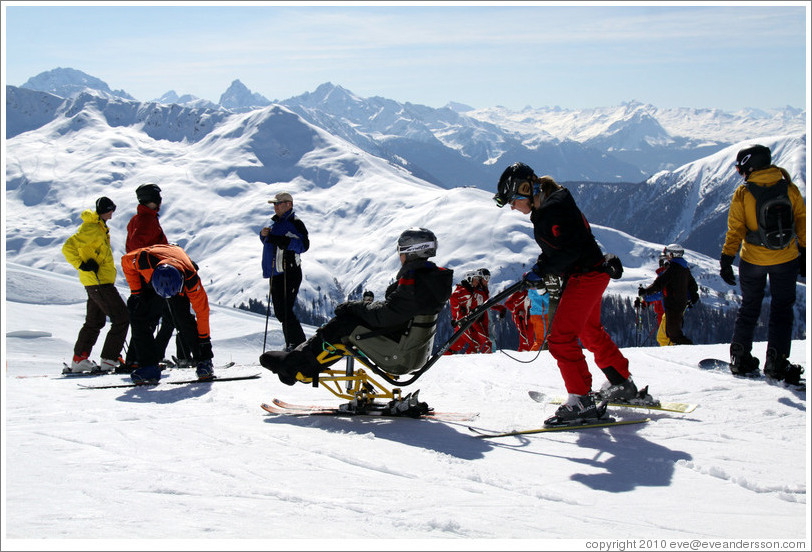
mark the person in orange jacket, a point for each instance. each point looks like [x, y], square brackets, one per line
[158, 275]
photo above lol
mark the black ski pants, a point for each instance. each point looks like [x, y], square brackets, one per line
[284, 290]
[753, 281]
[103, 301]
[146, 310]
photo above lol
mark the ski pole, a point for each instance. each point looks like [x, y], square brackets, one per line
[267, 311]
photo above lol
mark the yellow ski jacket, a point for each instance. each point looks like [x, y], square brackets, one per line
[92, 241]
[742, 217]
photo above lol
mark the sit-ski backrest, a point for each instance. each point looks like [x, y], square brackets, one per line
[399, 357]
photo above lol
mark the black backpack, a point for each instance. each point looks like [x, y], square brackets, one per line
[776, 221]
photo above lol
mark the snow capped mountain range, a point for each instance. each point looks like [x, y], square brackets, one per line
[361, 170]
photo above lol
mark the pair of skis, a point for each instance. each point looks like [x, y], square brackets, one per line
[283, 408]
[598, 423]
[215, 379]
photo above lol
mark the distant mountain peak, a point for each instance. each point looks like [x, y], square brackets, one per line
[67, 83]
[459, 107]
[238, 96]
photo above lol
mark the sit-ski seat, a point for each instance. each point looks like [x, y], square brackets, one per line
[398, 357]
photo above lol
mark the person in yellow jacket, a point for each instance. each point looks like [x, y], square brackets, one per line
[89, 251]
[781, 260]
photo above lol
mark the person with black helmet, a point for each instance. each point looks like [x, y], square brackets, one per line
[143, 230]
[679, 291]
[779, 257]
[163, 276]
[420, 287]
[284, 241]
[89, 251]
[569, 250]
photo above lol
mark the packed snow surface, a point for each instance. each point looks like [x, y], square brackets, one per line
[204, 461]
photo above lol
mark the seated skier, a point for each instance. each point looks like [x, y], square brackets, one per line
[421, 288]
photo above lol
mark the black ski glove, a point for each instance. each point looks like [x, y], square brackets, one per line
[205, 349]
[802, 262]
[279, 241]
[348, 307]
[726, 272]
[89, 265]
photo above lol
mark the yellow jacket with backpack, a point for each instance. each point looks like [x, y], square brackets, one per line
[742, 218]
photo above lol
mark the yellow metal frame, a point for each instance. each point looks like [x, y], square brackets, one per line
[356, 386]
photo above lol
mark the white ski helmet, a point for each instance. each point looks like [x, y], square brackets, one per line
[674, 250]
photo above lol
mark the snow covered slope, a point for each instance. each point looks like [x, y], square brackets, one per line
[204, 462]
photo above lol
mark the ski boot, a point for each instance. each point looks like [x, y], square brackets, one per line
[205, 370]
[81, 363]
[622, 392]
[146, 375]
[578, 410]
[742, 363]
[777, 367]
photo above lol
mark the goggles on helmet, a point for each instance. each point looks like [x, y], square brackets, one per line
[512, 189]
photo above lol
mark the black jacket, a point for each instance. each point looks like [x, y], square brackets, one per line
[677, 284]
[421, 288]
[563, 233]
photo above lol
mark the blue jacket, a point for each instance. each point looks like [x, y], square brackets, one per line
[539, 302]
[287, 239]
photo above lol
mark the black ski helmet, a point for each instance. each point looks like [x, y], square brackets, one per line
[752, 159]
[417, 243]
[484, 273]
[516, 180]
[104, 205]
[148, 193]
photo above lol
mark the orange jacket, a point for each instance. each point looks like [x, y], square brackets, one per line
[139, 264]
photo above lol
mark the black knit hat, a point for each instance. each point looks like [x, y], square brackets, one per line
[104, 205]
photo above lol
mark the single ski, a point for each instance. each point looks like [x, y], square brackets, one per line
[282, 407]
[216, 379]
[657, 405]
[610, 422]
[176, 367]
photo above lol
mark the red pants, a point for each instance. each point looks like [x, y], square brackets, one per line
[579, 317]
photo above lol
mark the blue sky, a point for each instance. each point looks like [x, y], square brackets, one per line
[726, 56]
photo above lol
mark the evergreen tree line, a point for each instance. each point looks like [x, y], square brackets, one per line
[627, 326]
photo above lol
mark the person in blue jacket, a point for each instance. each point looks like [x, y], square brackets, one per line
[283, 243]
